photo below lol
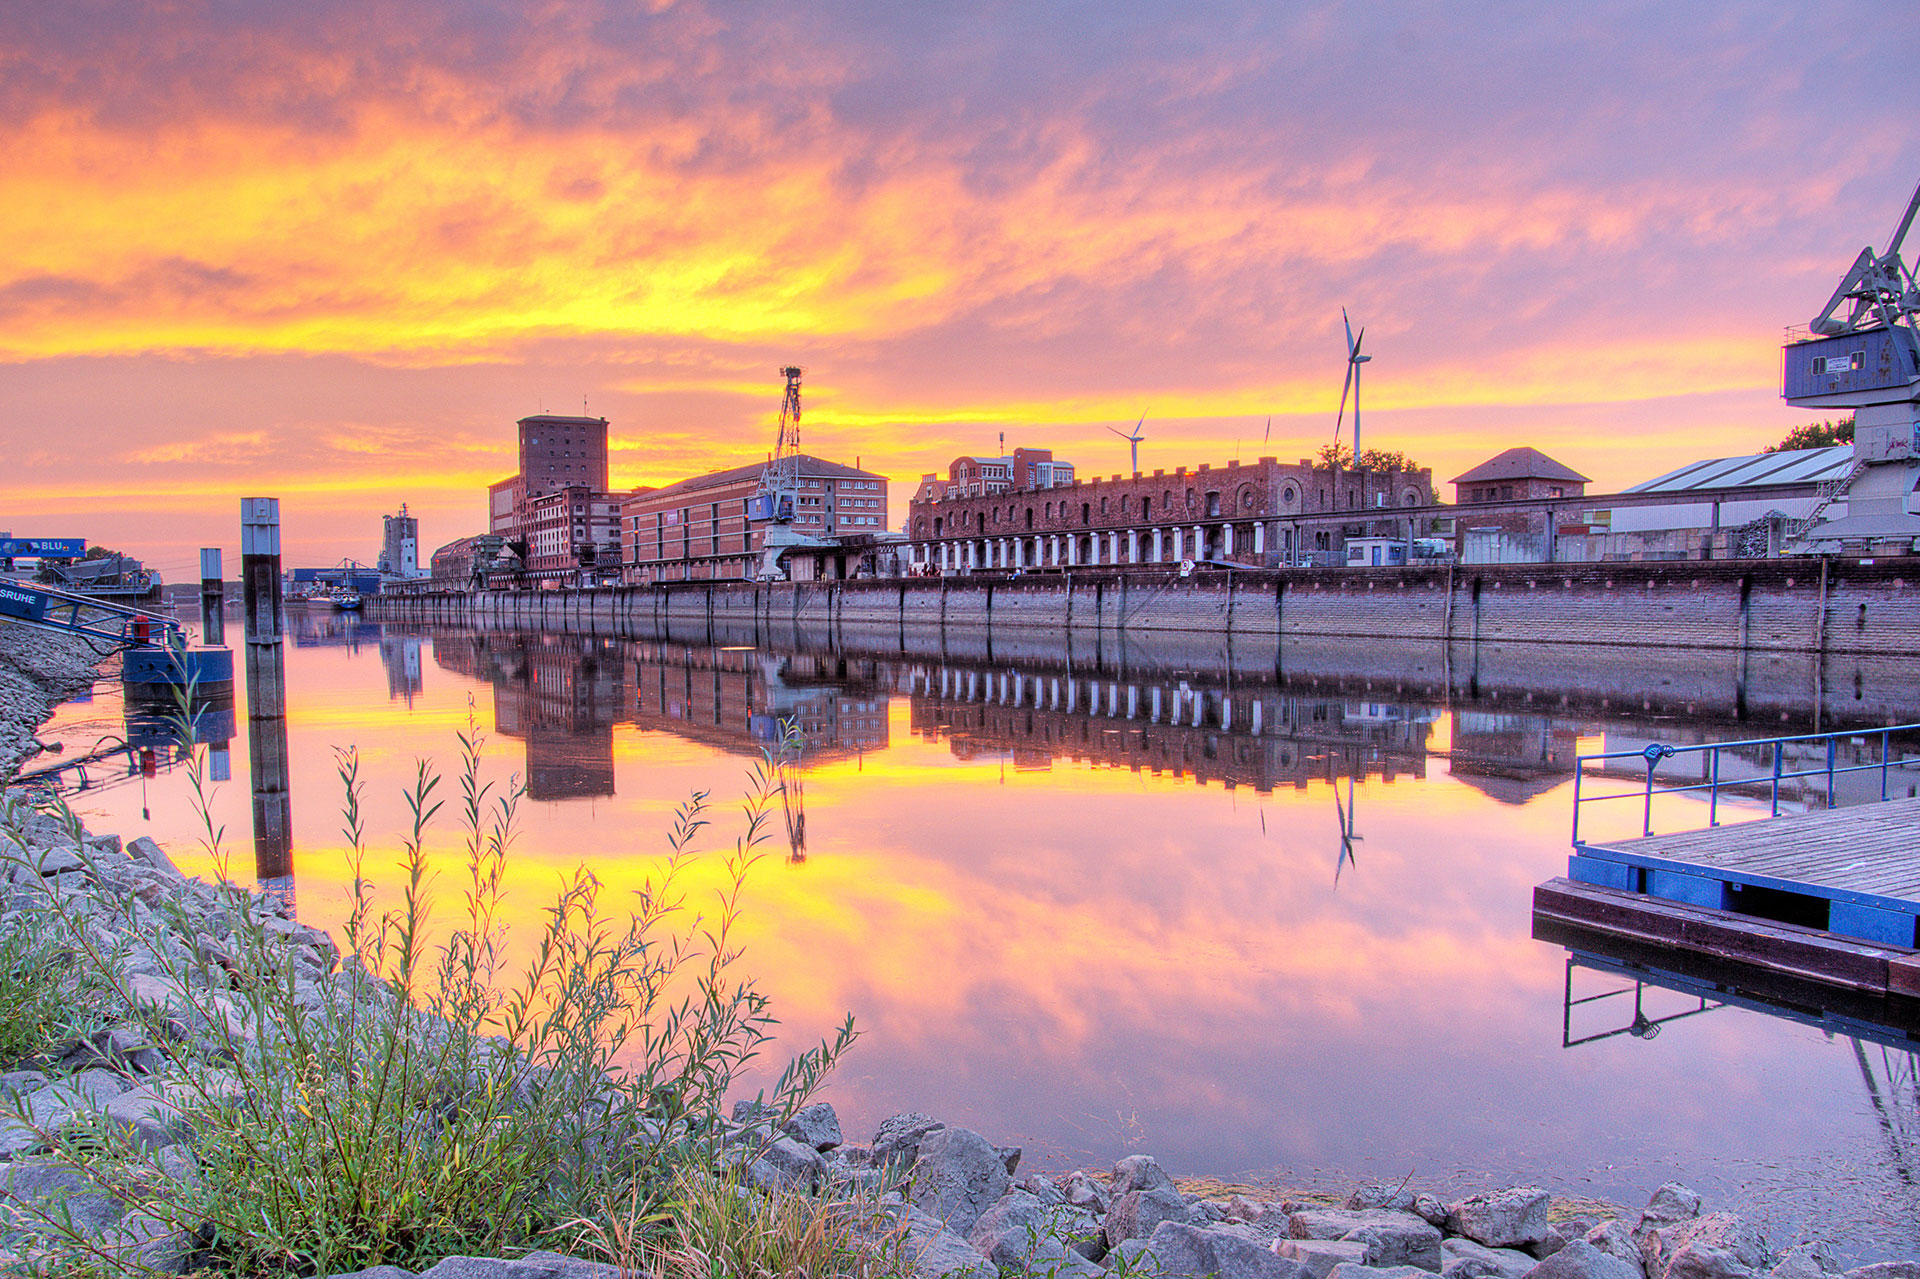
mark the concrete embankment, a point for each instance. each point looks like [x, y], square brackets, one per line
[1777, 606]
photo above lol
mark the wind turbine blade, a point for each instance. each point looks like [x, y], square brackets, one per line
[1136, 428]
[1344, 392]
[1268, 433]
[1357, 341]
[1117, 431]
[1349, 323]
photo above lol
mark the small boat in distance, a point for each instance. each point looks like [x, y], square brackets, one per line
[346, 601]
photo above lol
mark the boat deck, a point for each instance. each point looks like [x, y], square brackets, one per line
[1852, 871]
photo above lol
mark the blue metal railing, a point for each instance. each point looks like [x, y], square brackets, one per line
[1657, 753]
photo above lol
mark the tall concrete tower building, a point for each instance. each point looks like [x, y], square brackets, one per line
[400, 545]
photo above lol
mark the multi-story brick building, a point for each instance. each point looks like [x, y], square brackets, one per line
[1263, 513]
[556, 452]
[697, 530]
[1019, 471]
[573, 533]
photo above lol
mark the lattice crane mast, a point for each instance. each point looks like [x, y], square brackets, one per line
[778, 493]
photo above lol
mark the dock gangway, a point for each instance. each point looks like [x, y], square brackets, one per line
[119, 626]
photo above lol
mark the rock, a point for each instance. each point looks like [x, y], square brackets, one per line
[1270, 1223]
[1021, 1234]
[1334, 1223]
[816, 1126]
[1406, 1242]
[1138, 1213]
[1809, 1261]
[145, 851]
[148, 1245]
[1465, 1259]
[1043, 1189]
[1581, 1260]
[535, 1265]
[1560, 1234]
[897, 1141]
[16, 1082]
[151, 1120]
[1430, 1210]
[935, 1252]
[1082, 1192]
[787, 1164]
[957, 1176]
[124, 1048]
[1670, 1205]
[377, 1272]
[1010, 1156]
[1138, 1172]
[104, 845]
[1319, 1256]
[1887, 1270]
[1501, 1218]
[34, 1186]
[55, 861]
[1716, 1246]
[1348, 1270]
[1181, 1251]
[1614, 1239]
[1394, 1195]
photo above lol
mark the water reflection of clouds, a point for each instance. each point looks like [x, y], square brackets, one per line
[1142, 947]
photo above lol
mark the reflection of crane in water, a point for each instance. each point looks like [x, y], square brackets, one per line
[1896, 1103]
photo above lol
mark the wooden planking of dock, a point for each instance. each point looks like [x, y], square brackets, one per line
[1854, 871]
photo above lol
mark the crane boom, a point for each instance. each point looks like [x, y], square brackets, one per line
[1878, 290]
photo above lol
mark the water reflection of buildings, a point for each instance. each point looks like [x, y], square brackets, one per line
[559, 694]
[745, 701]
[400, 654]
[1257, 736]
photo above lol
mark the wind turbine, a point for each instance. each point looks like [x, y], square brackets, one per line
[1133, 439]
[1354, 361]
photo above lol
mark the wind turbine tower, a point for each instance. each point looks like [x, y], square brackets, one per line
[1354, 361]
[1133, 439]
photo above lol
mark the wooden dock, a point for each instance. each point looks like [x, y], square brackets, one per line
[1854, 872]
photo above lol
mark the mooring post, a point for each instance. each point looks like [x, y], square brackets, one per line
[266, 694]
[213, 625]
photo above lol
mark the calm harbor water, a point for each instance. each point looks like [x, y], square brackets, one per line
[1263, 925]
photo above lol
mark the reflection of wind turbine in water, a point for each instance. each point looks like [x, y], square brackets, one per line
[1896, 1104]
[1348, 837]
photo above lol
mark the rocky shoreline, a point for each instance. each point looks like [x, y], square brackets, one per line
[38, 671]
[955, 1203]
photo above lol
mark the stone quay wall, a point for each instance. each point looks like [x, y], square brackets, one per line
[1763, 606]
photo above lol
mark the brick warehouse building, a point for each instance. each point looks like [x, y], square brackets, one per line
[1261, 514]
[556, 452]
[697, 530]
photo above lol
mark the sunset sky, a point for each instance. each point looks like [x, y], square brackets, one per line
[330, 251]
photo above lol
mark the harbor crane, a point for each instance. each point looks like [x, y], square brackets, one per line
[778, 493]
[1862, 352]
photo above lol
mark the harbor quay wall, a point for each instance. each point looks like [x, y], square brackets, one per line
[1762, 606]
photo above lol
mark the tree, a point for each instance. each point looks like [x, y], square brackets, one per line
[1816, 435]
[1340, 457]
[1387, 460]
